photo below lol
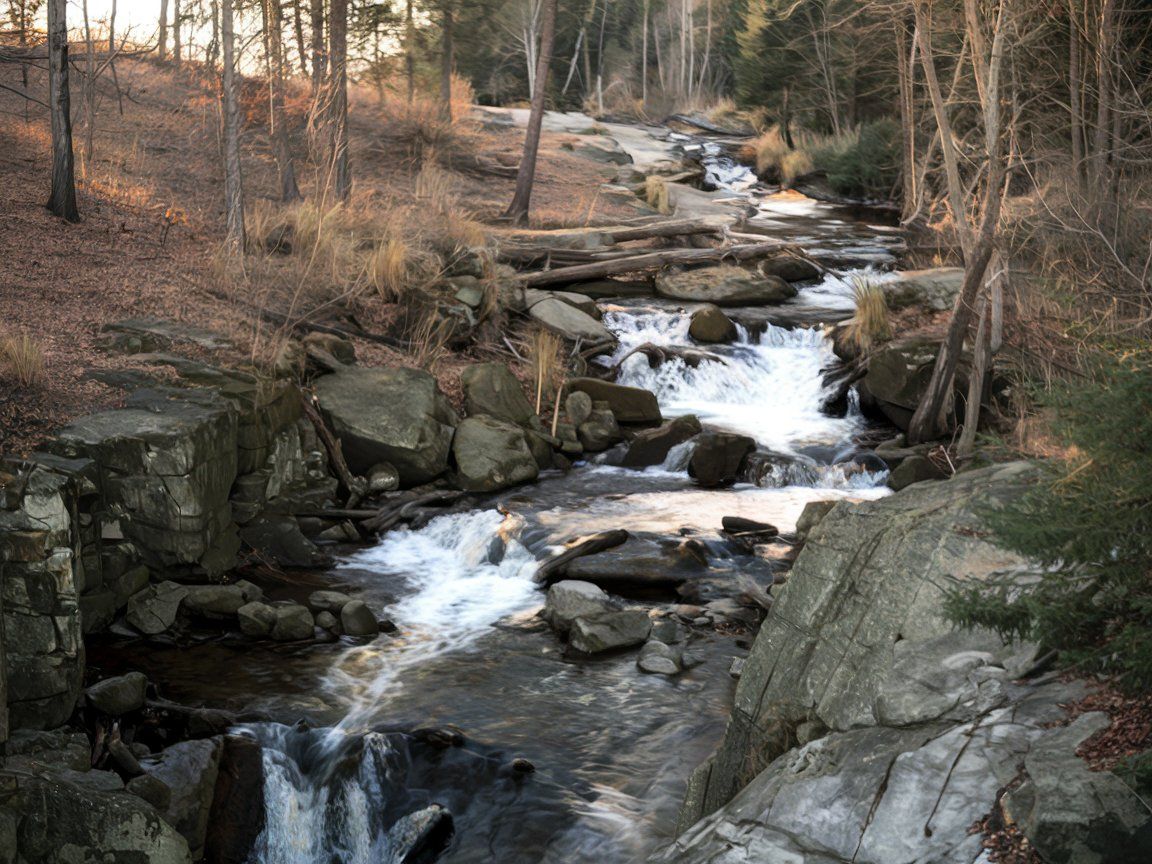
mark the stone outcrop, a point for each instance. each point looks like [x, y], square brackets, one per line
[724, 285]
[933, 289]
[396, 415]
[492, 454]
[491, 389]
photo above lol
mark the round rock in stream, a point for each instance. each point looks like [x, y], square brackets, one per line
[711, 325]
[724, 285]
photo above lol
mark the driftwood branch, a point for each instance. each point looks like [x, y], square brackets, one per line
[553, 569]
[354, 485]
[648, 261]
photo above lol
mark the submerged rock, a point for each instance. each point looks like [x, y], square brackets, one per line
[659, 658]
[789, 268]
[397, 416]
[724, 285]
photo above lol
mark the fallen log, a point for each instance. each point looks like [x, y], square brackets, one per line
[682, 228]
[647, 261]
[356, 486]
[658, 354]
[406, 510]
[553, 569]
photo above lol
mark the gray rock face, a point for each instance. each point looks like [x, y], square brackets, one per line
[214, 602]
[256, 619]
[789, 268]
[120, 695]
[357, 619]
[570, 599]
[578, 407]
[491, 455]
[567, 320]
[628, 404]
[871, 576]
[718, 457]
[64, 822]
[639, 566]
[492, 390]
[609, 631]
[189, 771]
[811, 516]
[278, 536]
[154, 609]
[724, 285]
[710, 325]
[389, 415]
[652, 446]
[898, 374]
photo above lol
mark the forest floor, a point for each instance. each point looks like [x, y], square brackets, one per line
[151, 200]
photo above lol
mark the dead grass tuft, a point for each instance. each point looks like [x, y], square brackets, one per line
[870, 326]
[656, 194]
[22, 360]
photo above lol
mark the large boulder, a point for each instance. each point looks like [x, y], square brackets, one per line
[710, 325]
[718, 457]
[567, 320]
[872, 575]
[189, 770]
[120, 695]
[237, 815]
[610, 631]
[154, 610]
[628, 404]
[570, 599]
[652, 446]
[898, 376]
[214, 602]
[933, 289]
[294, 623]
[724, 285]
[491, 389]
[641, 567]
[389, 415]
[789, 268]
[491, 454]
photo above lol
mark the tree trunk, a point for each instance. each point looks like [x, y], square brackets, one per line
[338, 51]
[447, 60]
[233, 180]
[909, 188]
[112, 28]
[163, 30]
[522, 199]
[274, 54]
[980, 352]
[410, 51]
[214, 40]
[644, 56]
[62, 201]
[176, 46]
[319, 55]
[301, 45]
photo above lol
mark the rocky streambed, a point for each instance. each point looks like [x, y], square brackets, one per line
[561, 627]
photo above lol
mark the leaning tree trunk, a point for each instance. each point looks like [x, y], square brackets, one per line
[233, 181]
[522, 199]
[274, 52]
[338, 118]
[62, 201]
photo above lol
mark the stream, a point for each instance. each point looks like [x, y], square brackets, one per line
[375, 737]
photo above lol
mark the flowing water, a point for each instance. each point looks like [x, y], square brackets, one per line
[612, 747]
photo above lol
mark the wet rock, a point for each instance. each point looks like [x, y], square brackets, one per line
[915, 469]
[571, 599]
[491, 455]
[736, 668]
[710, 325]
[658, 658]
[120, 695]
[789, 268]
[327, 601]
[718, 458]
[421, 836]
[600, 431]
[382, 477]
[652, 446]
[609, 631]
[492, 390]
[357, 619]
[724, 285]
[256, 619]
[389, 415]
[189, 770]
[811, 516]
[328, 621]
[278, 536]
[669, 631]
[628, 404]
[727, 608]
[640, 567]
[578, 407]
[236, 817]
[522, 766]
[213, 602]
[293, 623]
[153, 610]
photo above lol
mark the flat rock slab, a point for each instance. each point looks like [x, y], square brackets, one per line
[167, 332]
[640, 567]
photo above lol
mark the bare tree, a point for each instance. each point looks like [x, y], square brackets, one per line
[319, 53]
[177, 48]
[522, 199]
[163, 30]
[338, 116]
[274, 55]
[62, 201]
[447, 56]
[233, 178]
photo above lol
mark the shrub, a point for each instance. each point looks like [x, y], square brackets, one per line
[861, 164]
[870, 325]
[22, 360]
[1088, 520]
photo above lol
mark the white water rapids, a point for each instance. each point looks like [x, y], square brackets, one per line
[463, 573]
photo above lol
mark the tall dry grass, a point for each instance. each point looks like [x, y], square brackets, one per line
[22, 361]
[870, 325]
